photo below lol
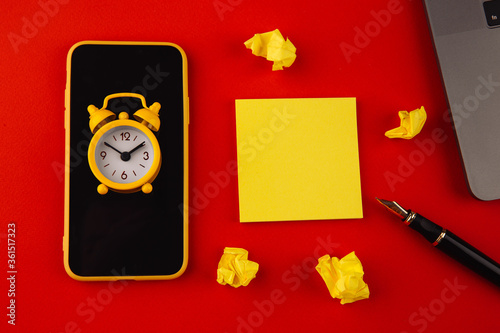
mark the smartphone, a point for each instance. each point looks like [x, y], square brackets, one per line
[126, 161]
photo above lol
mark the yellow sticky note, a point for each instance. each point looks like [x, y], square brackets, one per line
[272, 46]
[235, 269]
[411, 124]
[344, 277]
[298, 159]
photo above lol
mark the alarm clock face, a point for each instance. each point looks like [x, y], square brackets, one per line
[124, 154]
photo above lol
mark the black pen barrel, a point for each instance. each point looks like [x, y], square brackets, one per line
[425, 227]
[456, 247]
[469, 256]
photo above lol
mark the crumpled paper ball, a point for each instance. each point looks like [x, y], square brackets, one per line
[344, 277]
[411, 124]
[272, 46]
[235, 269]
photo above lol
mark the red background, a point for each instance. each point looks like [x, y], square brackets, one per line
[394, 70]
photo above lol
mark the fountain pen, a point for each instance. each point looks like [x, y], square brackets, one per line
[447, 242]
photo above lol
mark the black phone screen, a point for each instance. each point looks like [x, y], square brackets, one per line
[127, 234]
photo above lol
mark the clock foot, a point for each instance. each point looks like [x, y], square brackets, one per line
[147, 188]
[102, 189]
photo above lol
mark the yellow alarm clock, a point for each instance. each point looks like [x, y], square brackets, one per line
[124, 154]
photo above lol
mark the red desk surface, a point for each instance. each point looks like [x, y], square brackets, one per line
[414, 288]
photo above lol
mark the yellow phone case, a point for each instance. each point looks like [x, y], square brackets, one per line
[67, 168]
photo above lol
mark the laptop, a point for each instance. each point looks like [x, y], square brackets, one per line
[466, 35]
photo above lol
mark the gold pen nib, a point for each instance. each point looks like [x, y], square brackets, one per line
[394, 207]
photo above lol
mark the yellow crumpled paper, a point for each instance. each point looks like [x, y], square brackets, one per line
[344, 277]
[272, 46]
[235, 269]
[411, 124]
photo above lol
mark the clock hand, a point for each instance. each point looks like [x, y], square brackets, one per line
[139, 146]
[125, 156]
[110, 146]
